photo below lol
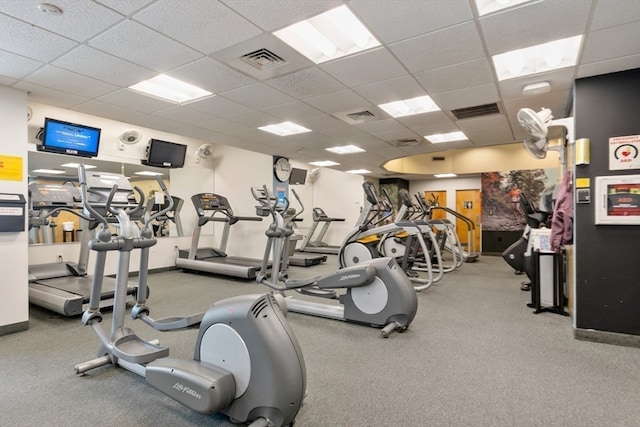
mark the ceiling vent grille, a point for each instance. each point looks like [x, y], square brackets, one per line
[406, 142]
[438, 158]
[263, 59]
[477, 111]
[361, 116]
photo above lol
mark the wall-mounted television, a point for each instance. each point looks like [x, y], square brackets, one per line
[298, 176]
[165, 154]
[69, 138]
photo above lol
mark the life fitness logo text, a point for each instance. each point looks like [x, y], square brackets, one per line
[186, 390]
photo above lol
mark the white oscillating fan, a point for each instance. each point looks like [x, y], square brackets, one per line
[205, 150]
[129, 137]
[536, 126]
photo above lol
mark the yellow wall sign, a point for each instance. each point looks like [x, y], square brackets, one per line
[10, 168]
[583, 182]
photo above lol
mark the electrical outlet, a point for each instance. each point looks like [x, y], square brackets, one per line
[60, 259]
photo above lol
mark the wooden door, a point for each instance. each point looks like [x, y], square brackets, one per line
[439, 197]
[468, 203]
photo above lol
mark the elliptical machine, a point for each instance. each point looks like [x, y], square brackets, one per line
[247, 363]
[376, 293]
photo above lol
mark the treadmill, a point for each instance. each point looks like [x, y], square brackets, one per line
[212, 207]
[317, 245]
[65, 287]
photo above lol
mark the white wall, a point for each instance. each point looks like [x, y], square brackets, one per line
[14, 300]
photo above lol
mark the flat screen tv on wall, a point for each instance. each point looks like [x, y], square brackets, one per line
[69, 138]
[165, 154]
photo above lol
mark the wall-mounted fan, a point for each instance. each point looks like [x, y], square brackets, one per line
[537, 125]
[313, 175]
[130, 137]
[205, 150]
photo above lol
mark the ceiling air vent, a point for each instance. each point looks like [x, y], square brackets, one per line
[406, 142]
[438, 158]
[477, 111]
[263, 59]
[361, 116]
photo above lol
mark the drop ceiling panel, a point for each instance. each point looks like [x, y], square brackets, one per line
[47, 95]
[79, 21]
[306, 83]
[222, 125]
[92, 62]
[606, 15]
[275, 14]
[611, 43]
[257, 95]
[219, 106]
[613, 65]
[434, 50]
[410, 18]
[155, 122]
[68, 81]
[376, 127]
[466, 74]
[30, 41]
[338, 101]
[559, 80]
[490, 130]
[224, 26]
[109, 111]
[535, 23]
[131, 41]
[421, 122]
[126, 7]
[210, 75]
[16, 66]
[183, 115]
[293, 111]
[405, 87]
[129, 99]
[367, 67]
[467, 97]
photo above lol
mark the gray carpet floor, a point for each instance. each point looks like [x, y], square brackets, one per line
[475, 355]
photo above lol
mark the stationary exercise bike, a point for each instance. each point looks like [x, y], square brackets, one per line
[376, 293]
[247, 363]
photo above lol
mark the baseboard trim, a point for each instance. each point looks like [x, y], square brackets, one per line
[14, 327]
[605, 337]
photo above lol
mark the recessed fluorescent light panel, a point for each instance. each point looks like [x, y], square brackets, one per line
[77, 165]
[285, 129]
[537, 59]
[437, 138]
[330, 35]
[49, 171]
[486, 7]
[445, 175]
[168, 88]
[357, 171]
[345, 149]
[148, 173]
[409, 107]
[324, 163]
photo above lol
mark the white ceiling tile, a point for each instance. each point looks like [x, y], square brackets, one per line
[467, 97]
[392, 21]
[364, 68]
[184, 115]
[466, 74]
[222, 125]
[155, 122]
[136, 101]
[109, 111]
[7, 81]
[306, 83]
[433, 122]
[220, 107]
[47, 95]
[534, 23]
[185, 23]
[16, 66]
[611, 43]
[257, 95]
[559, 80]
[613, 65]
[92, 62]
[275, 14]
[489, 130]
[434, 50]
[405, 87]
[608, 13]
[386, 125]
[30, 41]
[144, 46]
[79, 21]
[125, 7]
[338, 101]
[211, 75]
[68, 81]
[293, 111]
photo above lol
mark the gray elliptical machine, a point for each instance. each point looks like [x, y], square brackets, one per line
[376, 293]
[247, 363]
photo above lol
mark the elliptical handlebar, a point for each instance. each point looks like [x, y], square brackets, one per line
[82, 177]
[162, 211]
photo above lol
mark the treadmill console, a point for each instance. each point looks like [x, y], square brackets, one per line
[45, 196]
[210, 202]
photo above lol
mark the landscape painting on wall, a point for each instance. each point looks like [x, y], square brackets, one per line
[500, 196]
